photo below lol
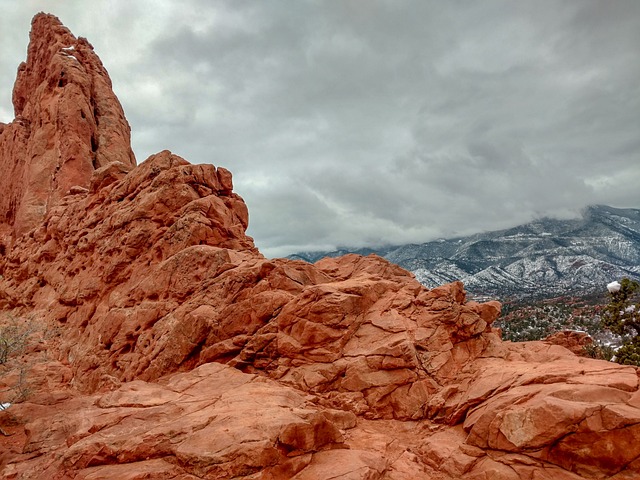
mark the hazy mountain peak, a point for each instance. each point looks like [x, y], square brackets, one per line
[545, 256]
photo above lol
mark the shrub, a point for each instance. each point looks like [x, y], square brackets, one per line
[600, 352]
[14, 338]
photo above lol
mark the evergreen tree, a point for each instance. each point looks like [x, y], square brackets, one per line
[622, 316]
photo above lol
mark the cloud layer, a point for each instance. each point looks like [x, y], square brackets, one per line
[364, 123]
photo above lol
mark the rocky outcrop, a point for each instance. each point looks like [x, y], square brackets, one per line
[574, 340]
[153, 274]
[174, 349]
[67, 124]
[203, 422]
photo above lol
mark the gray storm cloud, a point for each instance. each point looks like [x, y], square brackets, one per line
[365, 123]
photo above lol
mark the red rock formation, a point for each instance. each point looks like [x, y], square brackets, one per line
[178, 351]
[68, 124]
[573, 340]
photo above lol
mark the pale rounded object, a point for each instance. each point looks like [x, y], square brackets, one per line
[614, 287]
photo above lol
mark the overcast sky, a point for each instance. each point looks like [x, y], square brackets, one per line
[370, 122]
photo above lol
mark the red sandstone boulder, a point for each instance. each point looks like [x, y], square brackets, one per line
[212, 422]
[570, 339]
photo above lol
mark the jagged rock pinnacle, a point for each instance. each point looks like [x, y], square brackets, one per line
[68, 123]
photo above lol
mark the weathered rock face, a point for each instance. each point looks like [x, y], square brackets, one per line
[178, 351]
[68, 124]
[204, 421]
[573, 340]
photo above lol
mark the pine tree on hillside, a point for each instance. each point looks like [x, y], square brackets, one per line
[622, 316]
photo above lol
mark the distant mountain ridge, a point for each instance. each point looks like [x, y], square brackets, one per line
[542, 258]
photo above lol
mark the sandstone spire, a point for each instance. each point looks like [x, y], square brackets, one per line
[68, 123]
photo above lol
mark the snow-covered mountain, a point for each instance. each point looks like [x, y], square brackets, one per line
[546, 257]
